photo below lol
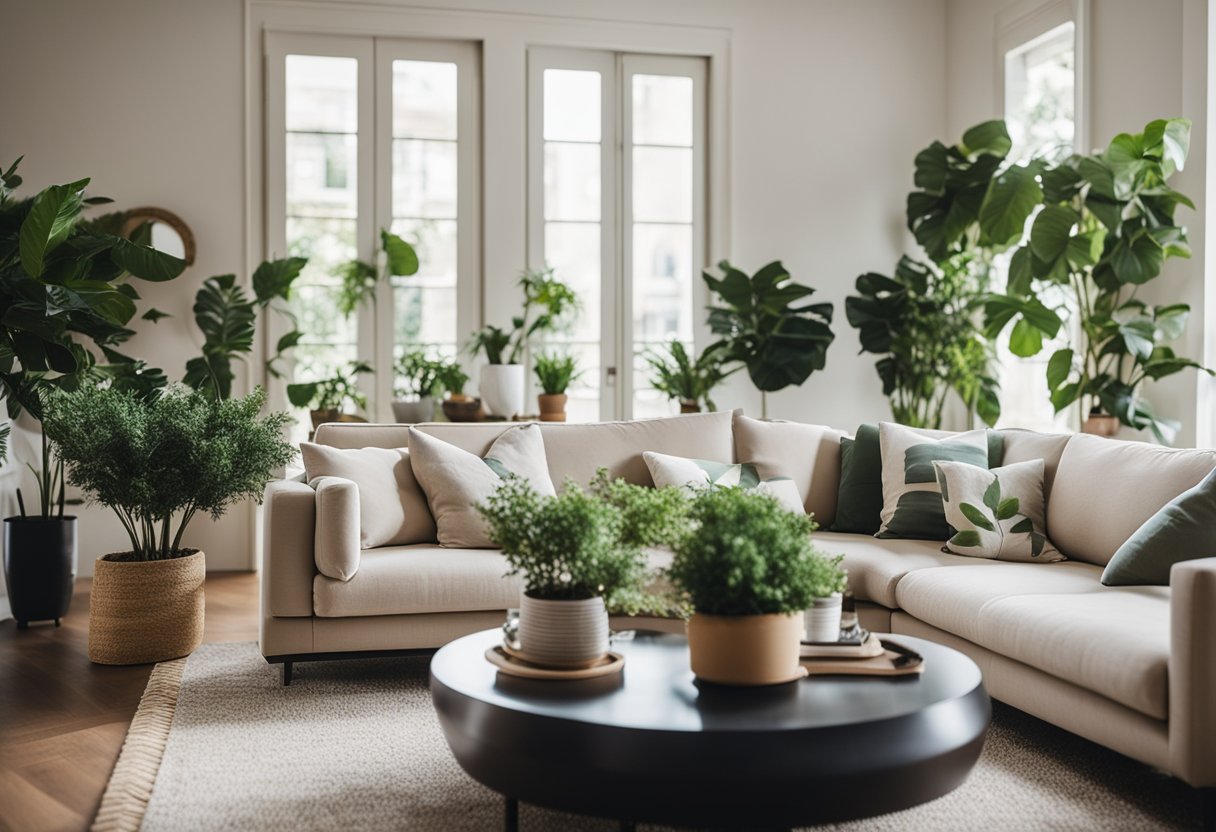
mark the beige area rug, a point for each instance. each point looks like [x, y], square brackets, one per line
[356, 746]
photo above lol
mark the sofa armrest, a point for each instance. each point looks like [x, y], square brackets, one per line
[336, 541]
[288, 565]
[1192, 674]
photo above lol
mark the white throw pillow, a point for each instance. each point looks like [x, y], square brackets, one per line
[911, 498]
[455, 481]
[997, 514]
[695, 474]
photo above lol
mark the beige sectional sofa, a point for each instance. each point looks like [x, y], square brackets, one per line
[1133, 668]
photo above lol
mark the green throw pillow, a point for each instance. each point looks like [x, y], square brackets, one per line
[859, 498]
[1181, 530]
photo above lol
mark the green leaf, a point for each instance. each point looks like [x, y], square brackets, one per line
[1059, 367]
[1099, 175]
[1137, 260]
[302, 394]
[1168, 140]
[1011, 198]
[977, 517]
[145, 262]
[226, 317]
[1171, 320]
[402, 259]
[1051, 230]
[990, 137]
[1007, 508]
[1026, 339]
[1020, 281]
[992, 494]
[273, 278]
[48, 223]
[965, 539]
[288, 341]
[1086, 249]
[1138, 335]
[154, 315]
[931, 167]
[1023, 526]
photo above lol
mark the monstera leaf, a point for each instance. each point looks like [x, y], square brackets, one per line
[226, 316]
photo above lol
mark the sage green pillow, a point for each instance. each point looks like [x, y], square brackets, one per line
[859, 499]
[1181, 530]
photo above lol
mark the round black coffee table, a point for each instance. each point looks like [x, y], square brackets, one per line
[652, 744]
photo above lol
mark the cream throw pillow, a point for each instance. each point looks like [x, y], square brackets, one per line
[681, 472]
[392, 511]
[998, 514]
[911, 497]
[455, 481]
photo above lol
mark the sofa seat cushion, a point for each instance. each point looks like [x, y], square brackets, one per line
[1057, 618]
[876, 565]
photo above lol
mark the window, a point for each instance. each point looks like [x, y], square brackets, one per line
[365, 134]
[616, 208]
[1040, 112]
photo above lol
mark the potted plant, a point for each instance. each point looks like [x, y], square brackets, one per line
[327, 398]
[418, 384]
[359, 279]
[555, 373]
[51, 314]
[157, 462]
[548, 306]
[750, 572]
[680, 378]
[457, 405]
[762, 325]
[570, 553]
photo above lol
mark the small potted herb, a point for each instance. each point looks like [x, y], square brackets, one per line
[680, 378]
[417, 386]
[458, 406]
[555, 373]
[750, 571]
[326, 399]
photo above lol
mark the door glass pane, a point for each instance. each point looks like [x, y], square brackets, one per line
[572, 105]
[662, 184]
[424, 100]
[572, 181]
[662, 110]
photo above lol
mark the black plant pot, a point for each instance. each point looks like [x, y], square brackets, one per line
[39, 567]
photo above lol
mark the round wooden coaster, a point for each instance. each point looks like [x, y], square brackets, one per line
[497, 656]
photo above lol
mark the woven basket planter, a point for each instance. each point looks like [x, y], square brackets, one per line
[146, 611]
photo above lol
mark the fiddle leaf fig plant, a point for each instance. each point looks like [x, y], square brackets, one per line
[1106, 229]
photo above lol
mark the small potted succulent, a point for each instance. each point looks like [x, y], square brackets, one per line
[457, 406]
[574, 560]
[555, 372]
[417, 386]
[690, 382]
[158, 461]
[326, 399]
[750, 571]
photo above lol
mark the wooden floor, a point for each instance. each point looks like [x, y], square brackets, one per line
[63, 719]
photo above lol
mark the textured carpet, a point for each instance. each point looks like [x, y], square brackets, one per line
[356, 745]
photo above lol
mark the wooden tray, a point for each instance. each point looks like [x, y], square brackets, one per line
[506, 663]
[515, 653]
[883, 665]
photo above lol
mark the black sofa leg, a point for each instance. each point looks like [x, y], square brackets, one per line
[287, 673]
[1208, 799]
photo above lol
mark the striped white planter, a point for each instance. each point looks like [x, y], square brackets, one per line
[823, 619]
[563, 632]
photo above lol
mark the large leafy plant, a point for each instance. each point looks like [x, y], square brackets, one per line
[762, 324]
[677, 375]
[65, 305]
[159, 462]
[360, 278]
[1106, 229]
[549, 306]
[331, 393]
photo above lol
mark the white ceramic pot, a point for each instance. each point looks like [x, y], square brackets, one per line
[412, 412]
[823, 619]
[502, 389]
[570, 633]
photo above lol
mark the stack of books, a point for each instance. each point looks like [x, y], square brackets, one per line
[865, 654]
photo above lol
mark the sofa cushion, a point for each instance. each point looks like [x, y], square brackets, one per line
[807, 454]
[1025, 445]
[876, 565]
[699, 474]
[1057, 618]
[1105, 489]
[911, 496]
[996, 513]
[336, 537]
[1184, 530]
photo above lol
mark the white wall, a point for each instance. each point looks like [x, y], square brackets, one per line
[829, 101]
[1146, 61]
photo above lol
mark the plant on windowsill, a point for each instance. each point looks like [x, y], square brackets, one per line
[157, 462]
[549, 306]
[555, 372]
[762, 326]
[359, 278]
[690, 382]
[458, 406]
[750, 571]
[417, 386]
[327, 399]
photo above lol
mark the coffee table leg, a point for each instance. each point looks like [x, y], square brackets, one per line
[510, 815]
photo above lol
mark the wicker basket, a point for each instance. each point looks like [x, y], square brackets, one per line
[146, 611]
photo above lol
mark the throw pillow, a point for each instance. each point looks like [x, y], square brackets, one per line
[455, 481]
[680, 472]
[1181, 530]
[809, 454]
[392, 511]
[859, 498]
[998, 514]
[911, 498]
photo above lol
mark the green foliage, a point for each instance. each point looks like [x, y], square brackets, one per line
[359, 278]
[762, 325]
[549, 306]
[158, 462]
[567, 546]
[452, 376]
[922, 322]
[747, 555]
[677, 376]
[1106, 229]
[555, 372]
[650, 517]
[416, 374]
[331, 393]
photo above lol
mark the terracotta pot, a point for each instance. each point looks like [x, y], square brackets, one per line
[413, 412]
[563, 633]
[746, 649]
[1101, 424]
[320, 417]
[552, 406]
[463, 409]
[689, 406]
[146, 611]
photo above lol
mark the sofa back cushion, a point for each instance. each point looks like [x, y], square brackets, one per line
[1106, 488]
[807, 454]
[1026, 445]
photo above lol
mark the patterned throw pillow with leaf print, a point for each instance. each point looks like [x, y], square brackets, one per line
[997, 514]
